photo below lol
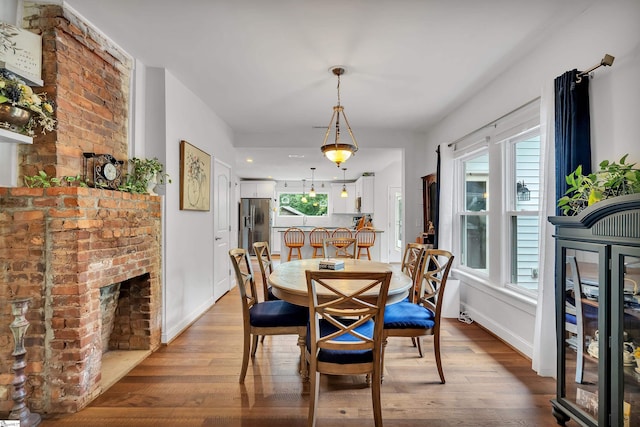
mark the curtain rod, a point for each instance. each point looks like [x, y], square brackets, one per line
[607, 61]
[493, 122]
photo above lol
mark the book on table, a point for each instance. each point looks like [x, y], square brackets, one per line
[331, 264]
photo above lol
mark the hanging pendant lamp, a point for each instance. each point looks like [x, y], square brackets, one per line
[338, 151]
[312, 192]
[344, 193]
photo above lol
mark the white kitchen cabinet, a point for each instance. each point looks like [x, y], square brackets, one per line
[365, 191]
[343, 205]
[257, 189]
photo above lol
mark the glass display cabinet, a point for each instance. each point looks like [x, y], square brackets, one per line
[598, 314]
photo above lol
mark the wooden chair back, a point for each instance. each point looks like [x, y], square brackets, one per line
[244, 278]
[437, 264]
[413, 266]
[366, 238]
[342, 313]
[263, 255]
[340, 247]
[316, 240]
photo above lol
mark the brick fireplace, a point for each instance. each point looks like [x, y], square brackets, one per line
[62, 247]
[65, 246]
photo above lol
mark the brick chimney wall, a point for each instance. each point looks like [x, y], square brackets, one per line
[88, 78]
[61, 245]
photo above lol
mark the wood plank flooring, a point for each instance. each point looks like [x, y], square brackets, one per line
[194, 382]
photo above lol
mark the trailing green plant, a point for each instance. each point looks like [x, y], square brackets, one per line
[143, 171]
[612, 180]
[42, 180]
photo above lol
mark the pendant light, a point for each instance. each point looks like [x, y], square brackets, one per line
[344, 193]
[312, 192]
[304, 197]
[337, 151]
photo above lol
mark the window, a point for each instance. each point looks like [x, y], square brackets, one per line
[473, 218]
[523, 154]
[498, 198]
[299, 204]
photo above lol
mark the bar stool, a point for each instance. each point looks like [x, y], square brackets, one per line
[366, 237]
[294, 239]
[340, 245]
[342, 232]
[316, 239]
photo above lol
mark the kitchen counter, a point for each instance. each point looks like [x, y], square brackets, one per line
[307, 250]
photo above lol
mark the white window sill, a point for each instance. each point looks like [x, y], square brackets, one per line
[519, 300]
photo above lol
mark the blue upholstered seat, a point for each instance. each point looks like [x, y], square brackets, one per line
[278, 313]
[408, 315]
[343, 356]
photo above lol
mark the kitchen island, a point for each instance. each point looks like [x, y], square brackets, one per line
[307, 250]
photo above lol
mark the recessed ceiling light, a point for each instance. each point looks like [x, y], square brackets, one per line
[249, 160]
[296, 156]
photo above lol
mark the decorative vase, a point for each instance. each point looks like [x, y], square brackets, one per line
[151, 185]
[16, 117]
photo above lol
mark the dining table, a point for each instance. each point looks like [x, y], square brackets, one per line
[289, 283]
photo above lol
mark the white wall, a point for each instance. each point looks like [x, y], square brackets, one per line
[605, 27]
[174, 113]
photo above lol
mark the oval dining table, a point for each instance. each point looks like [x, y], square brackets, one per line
[289, 283]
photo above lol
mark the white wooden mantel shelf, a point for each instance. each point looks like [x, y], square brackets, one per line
[13, 137]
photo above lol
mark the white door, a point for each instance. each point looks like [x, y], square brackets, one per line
[395, 224]
[222, 229]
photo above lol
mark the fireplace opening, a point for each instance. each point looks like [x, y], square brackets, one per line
[126, 326]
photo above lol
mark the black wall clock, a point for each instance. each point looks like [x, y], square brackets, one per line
[102, 171]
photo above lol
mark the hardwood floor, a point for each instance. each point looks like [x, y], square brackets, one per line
[194, 382]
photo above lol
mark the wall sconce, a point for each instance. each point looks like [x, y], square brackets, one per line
[523, 192]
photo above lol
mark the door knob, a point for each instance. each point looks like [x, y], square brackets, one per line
[218, 238]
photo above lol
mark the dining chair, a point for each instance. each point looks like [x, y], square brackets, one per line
[294, 240]
[422, 317]
[345, 332]
[265, 318]
[316, 239]
[340, 247]
[263, 254]
[366, 238]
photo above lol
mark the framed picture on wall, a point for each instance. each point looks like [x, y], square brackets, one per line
[195, 178]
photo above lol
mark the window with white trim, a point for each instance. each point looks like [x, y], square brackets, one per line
[497, 201]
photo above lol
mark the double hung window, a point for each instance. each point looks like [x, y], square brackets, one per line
[497, 204]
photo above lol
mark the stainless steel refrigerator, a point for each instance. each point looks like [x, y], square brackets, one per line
[255, 222]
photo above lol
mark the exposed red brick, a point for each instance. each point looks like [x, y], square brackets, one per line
[86, 238]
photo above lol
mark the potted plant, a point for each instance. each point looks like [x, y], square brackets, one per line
[613, 179]
[21, 109]
[144, 175]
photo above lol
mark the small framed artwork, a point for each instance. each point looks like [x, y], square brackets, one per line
[195, 178]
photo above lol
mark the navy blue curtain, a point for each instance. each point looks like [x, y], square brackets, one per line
[573, 129]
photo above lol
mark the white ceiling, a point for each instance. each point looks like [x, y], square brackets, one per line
[263, 65]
